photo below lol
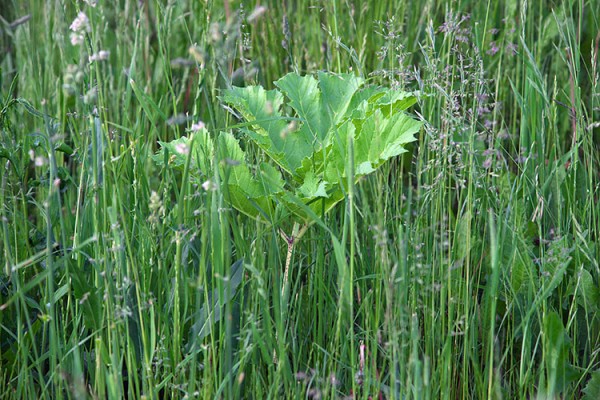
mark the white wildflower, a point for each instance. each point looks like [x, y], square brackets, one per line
[99, 56]
[257, 13]
[40, 161]
[90, 96]
[289, 128]
[79, 26]
[269, 107]
[197, 126]
[81, 23]
[209, 185]
[182, 148]
[76, 38]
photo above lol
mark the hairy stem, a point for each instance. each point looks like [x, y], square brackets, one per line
[297, 233]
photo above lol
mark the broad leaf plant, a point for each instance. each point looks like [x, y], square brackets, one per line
[308, 129]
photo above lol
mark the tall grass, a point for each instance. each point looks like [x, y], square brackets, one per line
[466, 269]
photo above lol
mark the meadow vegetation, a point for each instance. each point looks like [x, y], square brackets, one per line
[465, 267]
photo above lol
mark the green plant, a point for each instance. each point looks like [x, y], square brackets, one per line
[337, 131]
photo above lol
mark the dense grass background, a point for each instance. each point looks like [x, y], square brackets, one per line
[468, 269]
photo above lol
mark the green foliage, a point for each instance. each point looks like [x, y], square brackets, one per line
[473, 275]
[330, 115]
[592, 389]
[557, 343]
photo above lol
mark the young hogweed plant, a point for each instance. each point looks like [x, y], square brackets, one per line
[338, 130]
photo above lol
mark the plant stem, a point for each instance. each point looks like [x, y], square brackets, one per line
[297, 233]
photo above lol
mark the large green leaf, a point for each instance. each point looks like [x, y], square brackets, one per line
[261, 108]
[319, 104]
[249, 193]
[306, 127]
[176, 152]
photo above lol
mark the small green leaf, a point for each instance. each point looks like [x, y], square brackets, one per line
[588, 293]
[399, 101]
[557, 343]
[313, 187]
[382, 138]
[178, 149]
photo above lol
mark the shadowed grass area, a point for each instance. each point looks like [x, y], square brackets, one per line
[464, 268]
